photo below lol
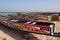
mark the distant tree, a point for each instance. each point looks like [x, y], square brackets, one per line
[18, 13]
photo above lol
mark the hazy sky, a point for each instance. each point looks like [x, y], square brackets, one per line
[30, 5]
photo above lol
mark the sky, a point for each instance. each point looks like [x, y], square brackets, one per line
[30, 5]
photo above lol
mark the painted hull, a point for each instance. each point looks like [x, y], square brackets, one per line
[44, 29]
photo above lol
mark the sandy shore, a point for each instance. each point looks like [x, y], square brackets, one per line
[57, 26]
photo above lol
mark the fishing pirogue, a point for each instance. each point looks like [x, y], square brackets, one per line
[30, 26]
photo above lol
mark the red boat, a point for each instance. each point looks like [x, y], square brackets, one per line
[30, 26]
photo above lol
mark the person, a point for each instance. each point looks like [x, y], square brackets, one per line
[49, 18]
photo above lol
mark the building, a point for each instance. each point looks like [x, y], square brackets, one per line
[51, 16]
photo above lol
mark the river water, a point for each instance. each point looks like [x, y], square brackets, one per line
[5, 13]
